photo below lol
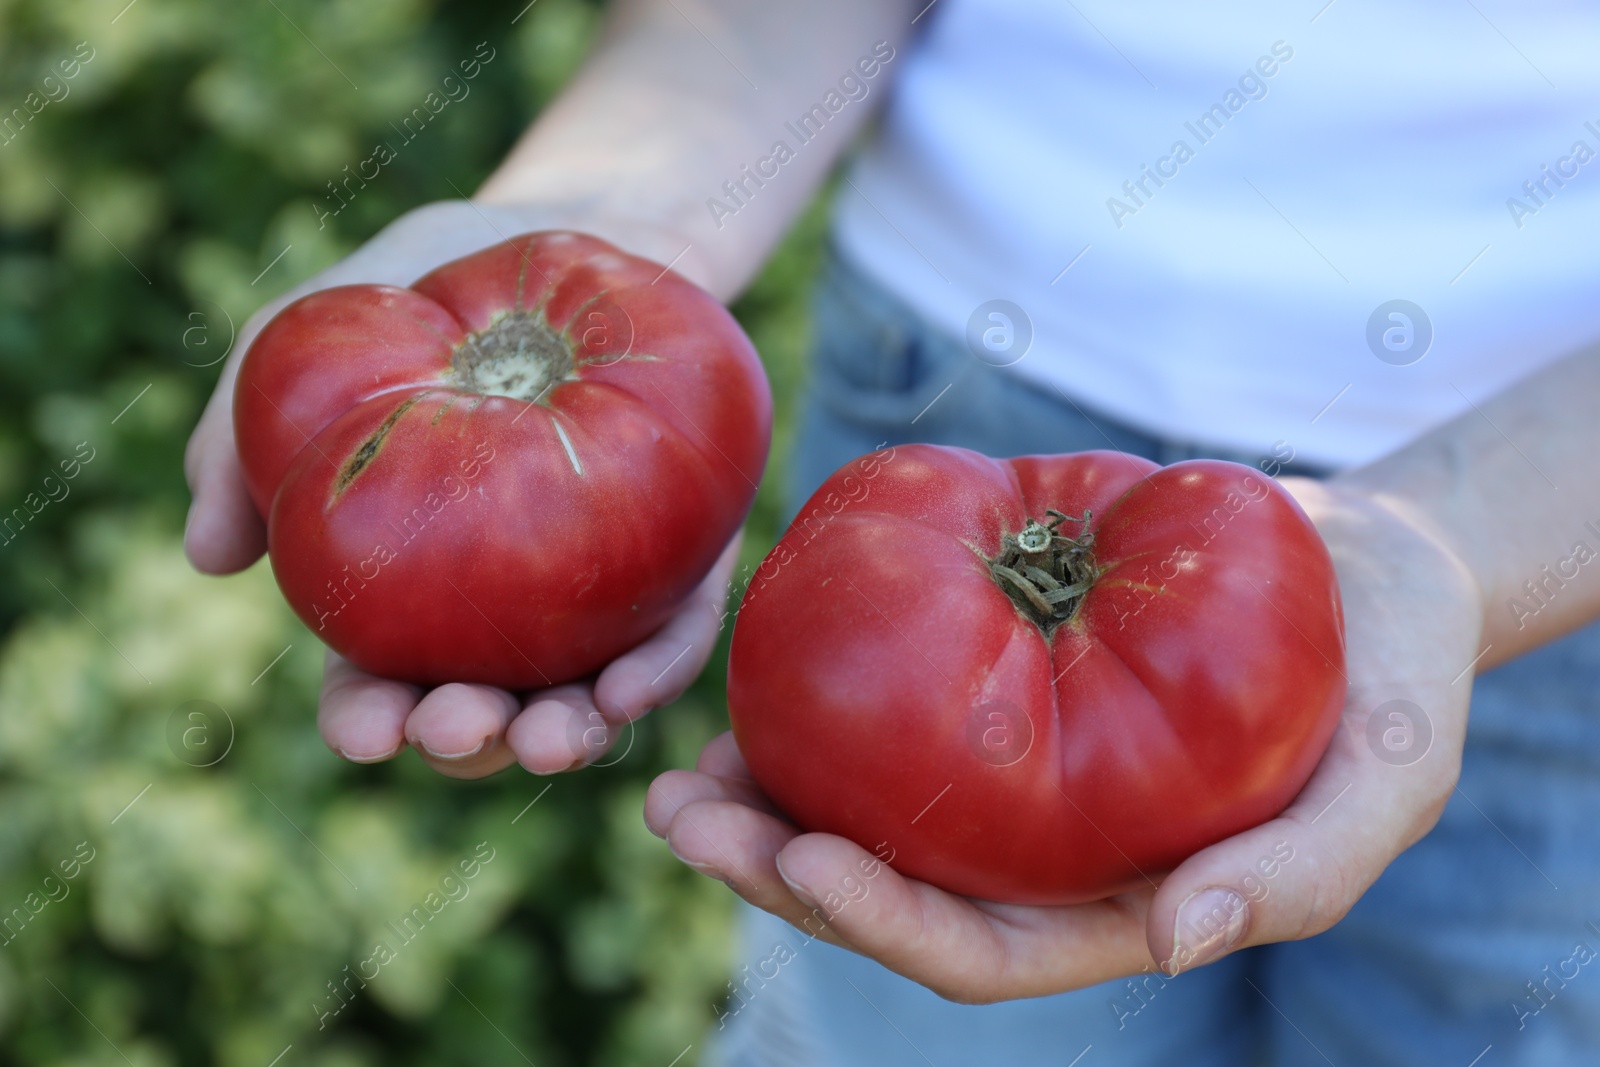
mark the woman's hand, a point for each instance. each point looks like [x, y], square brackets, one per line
[1413, 616]
[465, 731]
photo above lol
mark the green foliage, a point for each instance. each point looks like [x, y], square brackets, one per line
[144, 204]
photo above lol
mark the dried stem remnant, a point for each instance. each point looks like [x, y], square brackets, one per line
[1045, 572]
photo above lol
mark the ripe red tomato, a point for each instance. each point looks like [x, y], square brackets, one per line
[508, 473]
[1038, 680]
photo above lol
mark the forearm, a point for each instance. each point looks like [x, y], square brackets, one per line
[660, 117]
[1511, 489]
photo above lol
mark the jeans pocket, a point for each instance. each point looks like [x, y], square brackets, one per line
[873, 360]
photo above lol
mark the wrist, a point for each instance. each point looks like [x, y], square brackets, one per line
[450, 229]
[662, 242]
[1370, 514]
[1426, 489]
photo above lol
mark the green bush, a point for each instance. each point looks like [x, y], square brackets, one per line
[148, 203]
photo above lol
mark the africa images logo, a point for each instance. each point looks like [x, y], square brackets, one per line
[853, 84]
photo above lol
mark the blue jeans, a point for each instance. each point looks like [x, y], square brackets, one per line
[1482, 940]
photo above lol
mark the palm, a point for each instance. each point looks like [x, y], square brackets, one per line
[462, 730]
[1412, 623]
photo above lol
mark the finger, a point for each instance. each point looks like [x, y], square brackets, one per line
[738, 845]
[1298, 874]
[459, 729]
[964, 950]
[560, 729]
[659, 670]
[722, 757]
[674, 790]
[362, 717]
[224, 533]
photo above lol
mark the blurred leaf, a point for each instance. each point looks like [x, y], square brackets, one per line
[238, 871]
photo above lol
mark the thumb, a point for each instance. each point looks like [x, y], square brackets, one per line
[1300, 873]
[224, 533]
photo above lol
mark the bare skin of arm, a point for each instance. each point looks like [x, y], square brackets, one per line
[675, 99]
[661, 116]
[1433, 545]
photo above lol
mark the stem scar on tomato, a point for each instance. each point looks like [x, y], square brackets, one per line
[517, 355]
[1046, 573]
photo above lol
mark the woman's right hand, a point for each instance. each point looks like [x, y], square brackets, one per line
[461, 730]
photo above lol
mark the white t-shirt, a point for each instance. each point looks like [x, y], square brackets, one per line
[1309, 168]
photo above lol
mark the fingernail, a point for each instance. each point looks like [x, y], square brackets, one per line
[379, 758]
[453, 756]
[796, 888]
[1209, 923]
[548, 772]
[704, 868]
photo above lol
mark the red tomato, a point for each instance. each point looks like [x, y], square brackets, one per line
[508, 473]
[1038, 680]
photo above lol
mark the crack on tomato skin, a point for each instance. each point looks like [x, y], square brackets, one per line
[522, 272]
[437, 415]
[631, 357]
[1145, 586]
[566, 445]
[362, 457]
[1129, 583]
[430, 327]
[579, 343]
